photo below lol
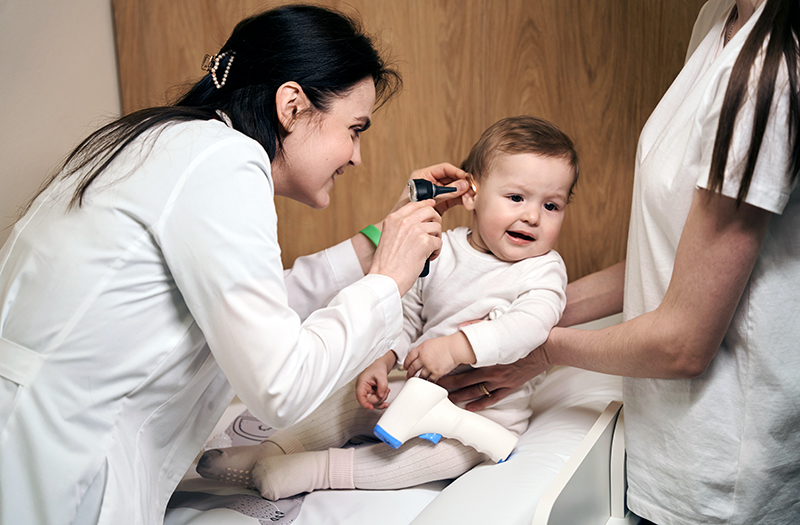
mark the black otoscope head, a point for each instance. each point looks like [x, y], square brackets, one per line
[421, 189]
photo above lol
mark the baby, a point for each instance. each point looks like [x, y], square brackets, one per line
[503, 271]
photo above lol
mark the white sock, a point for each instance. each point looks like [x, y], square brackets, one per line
[235, 464]
[280, 477]
[332, 425]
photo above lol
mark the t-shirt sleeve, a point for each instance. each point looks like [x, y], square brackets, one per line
[770, 187]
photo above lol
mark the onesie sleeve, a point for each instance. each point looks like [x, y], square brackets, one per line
[413, 321]
[529, 319]
[218, 235]
[770, 187]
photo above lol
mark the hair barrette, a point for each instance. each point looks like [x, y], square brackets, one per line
[211, 64]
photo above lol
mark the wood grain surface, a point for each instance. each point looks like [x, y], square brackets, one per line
[596, 68]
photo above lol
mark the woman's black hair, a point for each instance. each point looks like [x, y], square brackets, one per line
[324, 51]
[780, 21]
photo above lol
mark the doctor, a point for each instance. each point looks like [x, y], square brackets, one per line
[145, 280]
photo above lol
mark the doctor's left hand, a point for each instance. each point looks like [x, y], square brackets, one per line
[444, 174]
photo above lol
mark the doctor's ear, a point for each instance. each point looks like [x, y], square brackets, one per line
[290, 102]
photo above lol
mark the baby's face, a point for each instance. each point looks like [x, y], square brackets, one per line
[520, 205]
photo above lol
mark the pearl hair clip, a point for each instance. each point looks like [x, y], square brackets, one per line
[211, 64]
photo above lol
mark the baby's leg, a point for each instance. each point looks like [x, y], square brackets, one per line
[335, 422]
[338, 419]
[380, 467]
[372, 467]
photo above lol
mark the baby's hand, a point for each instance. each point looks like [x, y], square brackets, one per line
[372, 385]
[436, 357]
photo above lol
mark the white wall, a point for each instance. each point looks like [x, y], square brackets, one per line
[60, 83]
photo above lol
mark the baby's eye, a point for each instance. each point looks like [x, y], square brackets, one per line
[357, 131]
[515, 198]
[551, 206]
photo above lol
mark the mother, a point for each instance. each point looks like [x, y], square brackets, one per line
[145, 280]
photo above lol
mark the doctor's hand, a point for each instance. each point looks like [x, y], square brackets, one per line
[444, 174]
[436, 357]
[410, 235]
[498, 380]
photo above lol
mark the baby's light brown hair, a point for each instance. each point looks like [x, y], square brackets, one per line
[521, 134]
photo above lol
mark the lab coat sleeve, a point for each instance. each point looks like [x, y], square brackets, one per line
[528, 320]
[315, 279]
[218, 235]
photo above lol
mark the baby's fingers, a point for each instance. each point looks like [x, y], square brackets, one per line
[363, 399]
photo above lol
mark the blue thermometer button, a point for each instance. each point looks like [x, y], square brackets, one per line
[433, 438]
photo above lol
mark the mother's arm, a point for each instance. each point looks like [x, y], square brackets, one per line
[715, 257]
[595, 296]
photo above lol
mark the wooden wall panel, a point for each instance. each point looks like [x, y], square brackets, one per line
[595, 68]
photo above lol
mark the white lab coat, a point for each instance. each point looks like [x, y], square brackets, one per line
[123, 321]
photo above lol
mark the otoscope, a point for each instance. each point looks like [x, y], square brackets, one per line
[420, 190]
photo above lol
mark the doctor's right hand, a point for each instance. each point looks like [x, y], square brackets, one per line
[409, 236]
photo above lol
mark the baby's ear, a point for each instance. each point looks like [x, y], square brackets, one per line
[468, 199]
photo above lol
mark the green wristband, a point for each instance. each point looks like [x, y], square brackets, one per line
[372, 233]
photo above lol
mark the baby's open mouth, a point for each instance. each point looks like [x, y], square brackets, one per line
[519, 235]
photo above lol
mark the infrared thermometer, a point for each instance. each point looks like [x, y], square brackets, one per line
[423, 409]
[420, 190]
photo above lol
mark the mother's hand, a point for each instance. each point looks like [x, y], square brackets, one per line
[499, 380]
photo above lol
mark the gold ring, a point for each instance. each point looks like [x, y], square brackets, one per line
[483, 388]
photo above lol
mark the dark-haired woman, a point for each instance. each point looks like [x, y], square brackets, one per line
[145, 280]
[711, 284]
